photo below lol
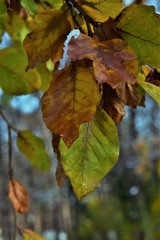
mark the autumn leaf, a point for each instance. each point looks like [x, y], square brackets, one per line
[150, 88]
[30, 235]
[49, 32]
[112, 104]
[14, 80]
[140, 27]
[106, 31]
[129, 94]
[34, 149]
[114, 60]
[100, 10]
[92, 155]
[60, 173]
[71, 100]
[18, 196]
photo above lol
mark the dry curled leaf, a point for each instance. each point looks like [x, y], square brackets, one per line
[114, 60]
[18, 196]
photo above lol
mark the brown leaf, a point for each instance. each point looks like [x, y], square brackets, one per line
[114, 60]
[106, 31]
[71, 100]
[112, 104]
[18, 196]
[60, 174]
[153, 77]
[48, 34]
[129, 95]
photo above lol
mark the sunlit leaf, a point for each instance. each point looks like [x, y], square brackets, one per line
[140, 27]
[100, 10]
[150, 88]
[18, 196]
[113, 60]
[30, 235]
[34, 149]
[71, 100]
[46, 76]
[50, 29]
[14, 79]
[92, 155]
[112, 104]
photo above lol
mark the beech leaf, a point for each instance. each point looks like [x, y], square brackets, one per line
[129, 94]
[50, 29]
[18, 196]
[14, 80]
[34, 149]
[71, 100]
[100, 10]
[92, 155]
[30, 235]
[140, 27]
[113, 60]
[150, 88]
[112, 104]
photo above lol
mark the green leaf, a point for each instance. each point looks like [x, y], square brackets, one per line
[14, 80]
[17, 27]
[30, 235]
[46, 76]
[92, 155]
[3, 16]
[140, 27]
[34, 149]
[151, 89]
[31, 6]
[2, 7]
[100, 10]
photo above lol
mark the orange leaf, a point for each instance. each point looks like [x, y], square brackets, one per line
[113, 60]
[49, 33]
[71, 100]
[18, 196]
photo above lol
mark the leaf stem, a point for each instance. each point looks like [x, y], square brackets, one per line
[72, 4]
[9, 128]
[7, 122]
[15, 223]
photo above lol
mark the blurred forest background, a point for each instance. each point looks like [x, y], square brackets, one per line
[126, 206]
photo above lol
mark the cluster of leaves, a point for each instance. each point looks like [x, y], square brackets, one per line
[113, 62]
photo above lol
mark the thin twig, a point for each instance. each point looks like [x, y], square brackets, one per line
[15, 223]
[73, 4]
[7, 122]
[10, 168]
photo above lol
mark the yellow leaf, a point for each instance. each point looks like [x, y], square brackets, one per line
[50, 30]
